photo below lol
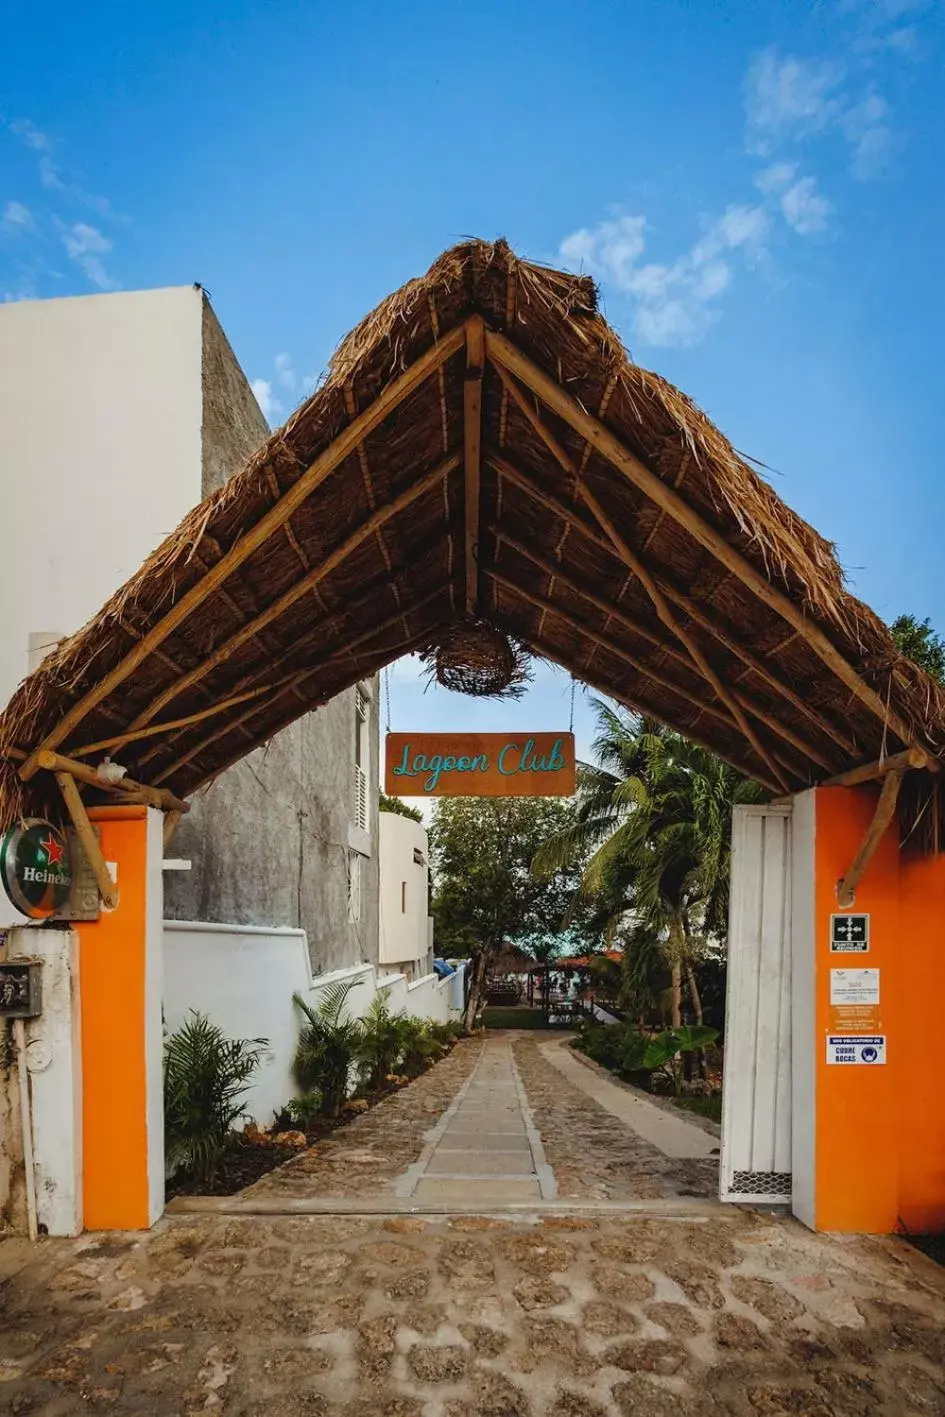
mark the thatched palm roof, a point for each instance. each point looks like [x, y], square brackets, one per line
[482, 445]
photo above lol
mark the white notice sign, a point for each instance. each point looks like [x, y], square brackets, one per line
[854, 986]
[851, 1048]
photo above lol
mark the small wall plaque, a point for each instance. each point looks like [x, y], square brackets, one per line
[21, 989]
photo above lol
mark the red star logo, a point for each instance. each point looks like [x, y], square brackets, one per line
[53, 850]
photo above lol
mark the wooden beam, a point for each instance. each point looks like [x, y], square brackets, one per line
[630, 559]
[619, 652]
[637, 705]
[375, 661]
[347, 440]
[502, 351]
[615, 612]
[293, 681]
[157, 796]
[301, 587]
[885, 810]
[472, 450]
[87, 839]
[869, 772]
[168, 725]
[519, 479]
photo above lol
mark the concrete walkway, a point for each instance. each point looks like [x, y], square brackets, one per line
[485, 1148]
[672, 1135]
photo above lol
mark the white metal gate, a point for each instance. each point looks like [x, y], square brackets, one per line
[756, 1097]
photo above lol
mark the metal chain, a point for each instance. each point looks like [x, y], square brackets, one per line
[387, 693]
[571, 725]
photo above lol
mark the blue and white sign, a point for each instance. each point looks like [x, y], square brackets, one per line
[851, 1048]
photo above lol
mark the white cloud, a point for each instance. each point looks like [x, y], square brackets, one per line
[611, 249]
[790, 98]
[674, 303]
[30, 134]
[85, 246]
[804, 208]
[869, 135]
[775, 177]
[269, 405]
[16, 219]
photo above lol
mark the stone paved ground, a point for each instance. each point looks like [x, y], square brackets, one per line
[365, 1158]
[564, 1316]
[567, 1312]
[591, 1155]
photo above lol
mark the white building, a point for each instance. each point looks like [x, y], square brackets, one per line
[406, 927]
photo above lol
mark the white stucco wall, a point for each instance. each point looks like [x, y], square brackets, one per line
[243, 977]
[100, 446]
[404, 891]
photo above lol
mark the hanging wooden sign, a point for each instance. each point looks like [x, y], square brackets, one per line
[480, 765]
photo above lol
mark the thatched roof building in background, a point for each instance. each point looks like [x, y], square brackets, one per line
[483, 448]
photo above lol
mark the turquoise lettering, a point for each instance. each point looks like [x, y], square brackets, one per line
[508, 772]
[480, 763]
[556, 761]
[402, 770]
[462, 763]
[435, 766]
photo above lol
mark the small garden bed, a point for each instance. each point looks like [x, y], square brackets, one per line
[251, 1154]
[514, 1017]
[678, 1065]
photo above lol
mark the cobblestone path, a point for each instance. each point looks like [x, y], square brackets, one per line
[535, 1307]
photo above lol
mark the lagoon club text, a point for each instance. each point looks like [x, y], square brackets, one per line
[512, 759]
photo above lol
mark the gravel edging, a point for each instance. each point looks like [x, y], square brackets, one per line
[706, 1123]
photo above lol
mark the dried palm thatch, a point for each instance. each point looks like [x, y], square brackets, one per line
[483, 449]
[473, 657]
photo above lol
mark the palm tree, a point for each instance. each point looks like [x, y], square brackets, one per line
[655, 814]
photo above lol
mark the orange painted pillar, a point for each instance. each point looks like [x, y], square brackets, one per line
[121, 982]
[868, 1143]
[921, 1102]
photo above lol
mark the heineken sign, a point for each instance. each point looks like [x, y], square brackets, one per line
[35, 867]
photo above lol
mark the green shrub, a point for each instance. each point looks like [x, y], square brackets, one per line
[623, 1049]
[418, 1046]
[380, 1044]
[328, 1046]
[206, 1077]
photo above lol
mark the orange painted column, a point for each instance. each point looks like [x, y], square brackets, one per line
[120, 971]
[921, 1103]
[869, 1115]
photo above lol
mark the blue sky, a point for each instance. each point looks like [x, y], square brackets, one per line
[758, 188]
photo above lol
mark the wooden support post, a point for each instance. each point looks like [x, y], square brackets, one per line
[171, 823]
[87, 839]
[885, 809]
[155, 796]
[472, 449]
[502, 351]
[897, 762]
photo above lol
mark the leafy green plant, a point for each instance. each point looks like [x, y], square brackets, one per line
[664, 1052]
[625, 1050]
[328, 1045]
[303, 1110]
[418, 1046]
[206, 1078]
[381, 1042]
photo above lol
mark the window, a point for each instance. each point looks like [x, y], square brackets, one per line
[362, 758]
[354, 887]
[403, 897]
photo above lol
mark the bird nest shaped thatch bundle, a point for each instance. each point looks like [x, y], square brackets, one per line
[473, 657]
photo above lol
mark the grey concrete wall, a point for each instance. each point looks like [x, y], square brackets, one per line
[270, 840]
